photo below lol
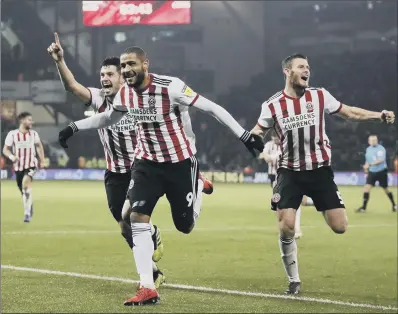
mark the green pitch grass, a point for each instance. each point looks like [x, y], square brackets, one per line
[234, 246]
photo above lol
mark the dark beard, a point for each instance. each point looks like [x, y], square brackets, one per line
[300, 90]
[139, 80]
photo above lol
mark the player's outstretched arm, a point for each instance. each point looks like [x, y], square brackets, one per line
[97, 121]
[359, 114]
[252, 141]
[67, 78]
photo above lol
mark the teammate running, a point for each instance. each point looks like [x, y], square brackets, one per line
[118, 140]
[20, 147]
[165, 158]
[297, 115]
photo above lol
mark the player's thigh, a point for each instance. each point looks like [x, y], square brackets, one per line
[145, 188]
[28, 178]
[383, 179]
[287, 192]
[116, 187]
[324, 191]
[181, 191]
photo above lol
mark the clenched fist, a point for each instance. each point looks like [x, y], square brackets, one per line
[387, 117]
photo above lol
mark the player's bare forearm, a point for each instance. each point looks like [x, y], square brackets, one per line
[359, 114]
[8, 153]
[70, 83]
[40, 151]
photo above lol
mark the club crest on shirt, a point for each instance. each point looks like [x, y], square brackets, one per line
[151, 102]
[309, 107]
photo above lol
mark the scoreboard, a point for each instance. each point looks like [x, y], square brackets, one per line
[109, 13]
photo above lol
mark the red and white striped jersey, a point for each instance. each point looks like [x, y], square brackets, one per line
[119, 140]
[300, 125]
[164, 132]
[23, 146]
[273, 150]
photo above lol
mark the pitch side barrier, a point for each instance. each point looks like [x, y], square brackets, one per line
[341, 178]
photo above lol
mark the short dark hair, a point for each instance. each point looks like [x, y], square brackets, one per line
[287, 62]
[137, 50]
[111, 61]
[23, 115]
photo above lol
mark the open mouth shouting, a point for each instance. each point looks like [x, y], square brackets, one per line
[304, 78]
[107, 87]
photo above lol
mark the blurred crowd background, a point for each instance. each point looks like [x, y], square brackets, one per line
[229, 51]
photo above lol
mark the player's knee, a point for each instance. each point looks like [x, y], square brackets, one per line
[185, 225]
[287, 222]
[185, 229]
[26, 192]
[139, 218]
[340, 227]
[286, 227]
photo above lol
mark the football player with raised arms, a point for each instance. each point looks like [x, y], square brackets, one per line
[297, 113]
[119, 141]
[165, 161]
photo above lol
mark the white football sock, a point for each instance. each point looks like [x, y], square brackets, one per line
[288, 250]
[297, 226]
[143, 250]
[309, 202]
[197, 206]
[27, 201]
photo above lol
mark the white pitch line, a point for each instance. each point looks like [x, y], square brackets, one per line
[205, 289]
[215, 229]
